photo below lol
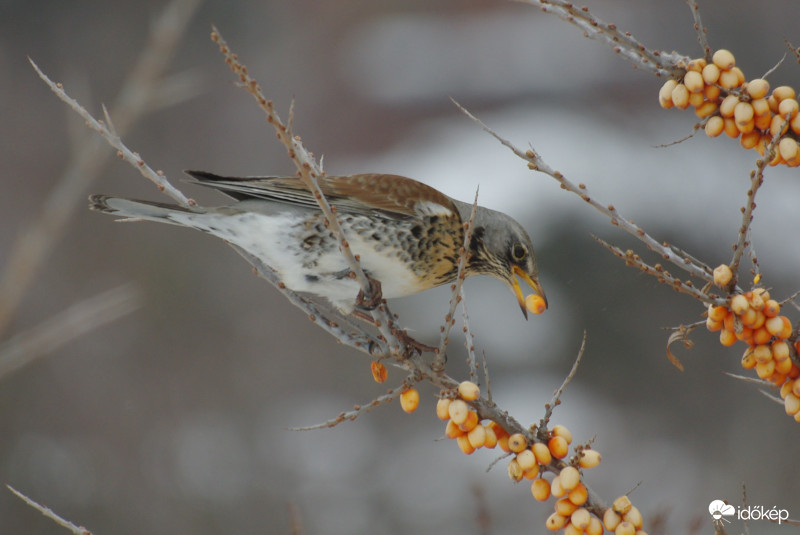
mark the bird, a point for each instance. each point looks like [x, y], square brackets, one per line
[407, 235]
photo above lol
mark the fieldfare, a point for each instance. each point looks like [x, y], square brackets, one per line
[406, 234]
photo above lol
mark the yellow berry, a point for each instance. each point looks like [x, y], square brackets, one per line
[540, 488]
[469, 391]
[409, 400]
[722, 275]
[580, 518]
[565, 507]
[765, 369]
[729, 79]
[589, 458]
[595, 527]
[714, 126]
[622, 504]
[611, 519]
[441, 409]
[470, 423]
[451, 430]
[625, 528]
[579, 494]
[634, 517]
[696, 65]
[696, 99]
[712, 92]
[558, 447]
[723, 59]
[760, 107]
[727, 105]
[514, 470]
[727, 338]
[780, 350]
[542, 453]
[783, 92]
[739, 304]
[556, 489]
[757, 88]
[778, 126]
[555, 522]
[762, 353]
[710, 74]
[730, 128]
[535, 304]
[517, 442]
[774, 325]
[458, 411]
[491, 437]
[788, 107]
[788, 148]
[464, 445]
[477, 436]
[379, 372]
[570, 477]
[748, 360]
[693, 81]
[791, 404]
[743, 114]
[665, 93]
[561, 431]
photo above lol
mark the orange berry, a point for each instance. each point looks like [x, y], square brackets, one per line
[622, 505]
[441, 408]
[710, 74]
[791, 404]
[611, 519]
[625, 528]
[565, 507]
[730, 128]
[517, 442]
[409, 400]
[783, 367]
[542, 453]
[696, 65]
[739, 304]
[713, 325]
[717, 313]
[757, 88]
[748, 361]
[561, 431]
[555, 522]
[729, 79]
[693, 81]
[727, 338]
[477, 436]
[778, 126]
[765, 369]
[796, 388]
[458, 411]
[761, 108]
[514, 470]
[558, 447]
[379, 372]
[787, 388]
[469, 391]
[665, 93]
[712, 92]
[743, 113]
[589, 458]
[491, 437]
[470, 423]
[728, 105]
[788, 108]
[580, 518]
[722, 275]
[787, 328]
[464, 445]
[579, 494]
[498, 429]
[723, 59]
[680, 97]
[761, 335]
[556, 489]
[714, 126]
[705, 108]
[502, 442]
[451, 430]
[780, 350]
[595, 527]
[783, 92]
[762, 353]
[771, 308]
[526, 460]
[634, 517]
[535, 304]
[570, 477]
[540, 488]
[757, 298]
[774, 325]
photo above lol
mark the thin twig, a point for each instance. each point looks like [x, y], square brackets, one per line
[469, 342]
[46, 511]
[556, 399]
[700, 29]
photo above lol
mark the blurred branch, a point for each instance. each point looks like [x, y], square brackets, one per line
[32, 247]
[46, 511]
[77, 320]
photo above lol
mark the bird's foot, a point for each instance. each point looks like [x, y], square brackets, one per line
[373, 298]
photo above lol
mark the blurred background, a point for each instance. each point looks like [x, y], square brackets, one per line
[174, 417]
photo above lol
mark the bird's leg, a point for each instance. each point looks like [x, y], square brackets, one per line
[373, 298]
[402, 336]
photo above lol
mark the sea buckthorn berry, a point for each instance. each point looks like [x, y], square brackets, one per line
[778, 126]
[717, 313]
[542, 453]
[477, 436]
[579, 494]
[622, 505]
[555, 522]
[441, 408]
[470, 423]
[696, 65]
[409, 400]
[464, 445]
[794, 124]
[730, 128]
[595, 527]
[749, 318]
[714, 126]
[491, 437]
[774, 325]
[517, 442]
[757, 298]
[713, 325]
[469, 391]
[565, 507]
[760, 107]
[451, 430]
[558, 447]
[379, 372]
[540, 488]
[526, 460]
[788, 107]
[680, 97]
[535, 304]
[705, 109]
[796, 388]
[783, 92]
[739, 304]
[514, 470]
[762, 122]
[787, 147]
[710, 74]
[791, 404]
[783, 367]
[625, 528]
[712, 92]
[561, 431]
[743, 114]
[729, 79]
[761, 336]
[589, 458]
[458, 411]
[580, 518]
[634, 517]
[787, 328]
[722, 276]
[771, 308]
[727, 105]
[693, 81]
[757, 88]
[665, 93]
[748, 361]
[572, 529]
[556, 489]
[727, 338]
[696, 99]
[762, 353]
[570, 477]
[611, 519]
[723, 59]
[786, 388]
[765, 369]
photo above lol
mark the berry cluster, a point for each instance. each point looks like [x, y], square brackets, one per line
[727, 102]
[754, 318]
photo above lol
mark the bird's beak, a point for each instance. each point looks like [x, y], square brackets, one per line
[534, 284]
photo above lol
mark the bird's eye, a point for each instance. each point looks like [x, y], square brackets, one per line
[518, 252]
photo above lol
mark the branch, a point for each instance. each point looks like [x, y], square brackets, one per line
[46, 511]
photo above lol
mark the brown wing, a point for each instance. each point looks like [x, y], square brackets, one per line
[392, 195]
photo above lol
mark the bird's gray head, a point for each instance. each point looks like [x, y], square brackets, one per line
[501, 248]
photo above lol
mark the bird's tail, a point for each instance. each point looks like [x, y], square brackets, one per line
[133, 209]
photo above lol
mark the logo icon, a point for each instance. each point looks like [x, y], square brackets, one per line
[719, 509]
